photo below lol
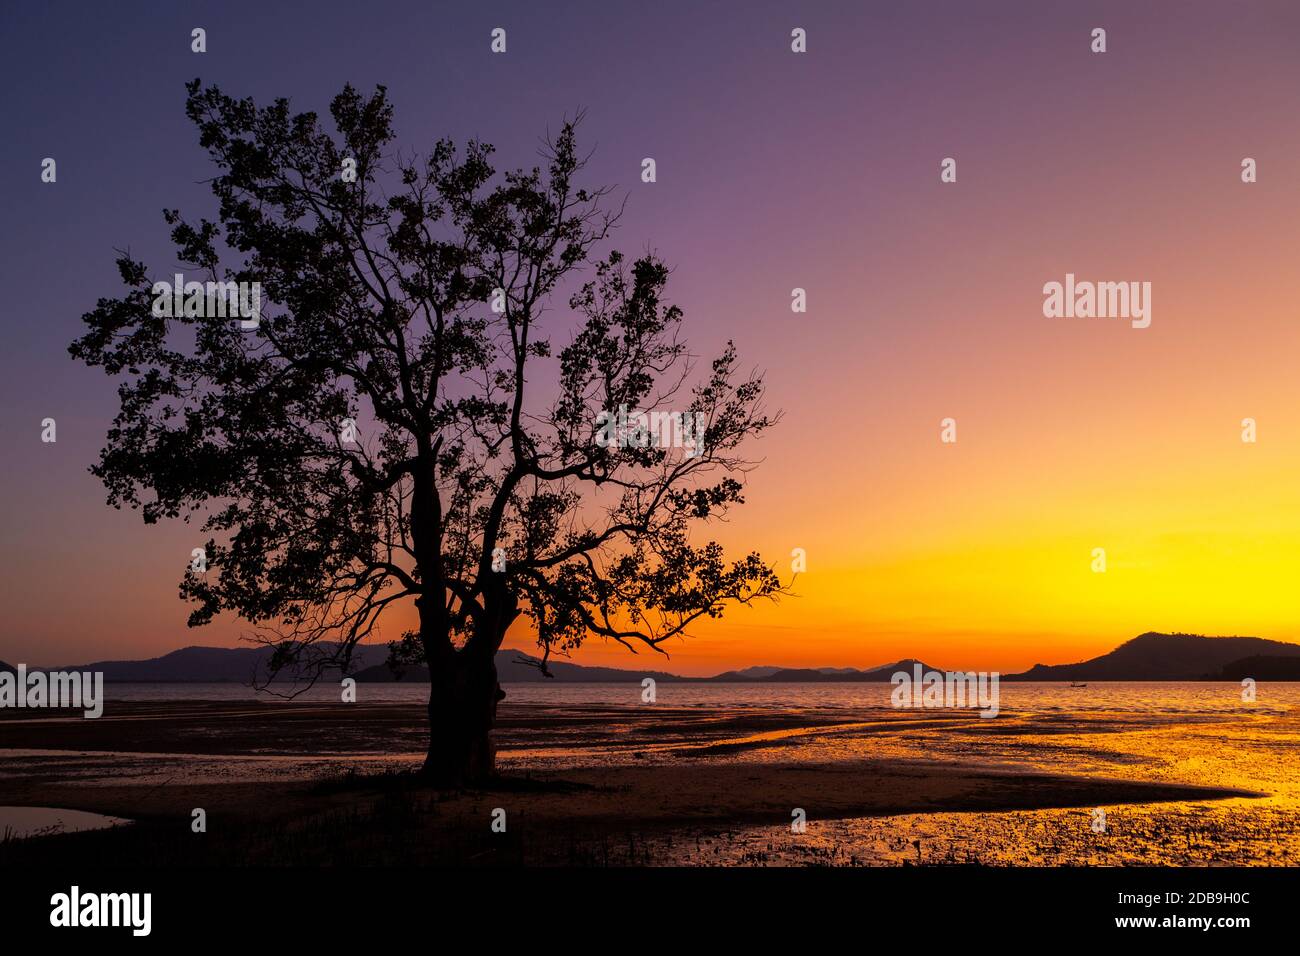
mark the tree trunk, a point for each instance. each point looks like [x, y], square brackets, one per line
[463, 697]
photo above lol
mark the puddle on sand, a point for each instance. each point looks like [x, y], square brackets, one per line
[19, 822]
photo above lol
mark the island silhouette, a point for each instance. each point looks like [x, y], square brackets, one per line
[1151, 656]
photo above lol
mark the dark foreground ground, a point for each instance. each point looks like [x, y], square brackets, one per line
[333, 784]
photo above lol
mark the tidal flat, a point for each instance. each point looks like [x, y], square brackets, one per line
[591, 781]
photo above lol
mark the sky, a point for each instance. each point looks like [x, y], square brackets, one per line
[775, 170]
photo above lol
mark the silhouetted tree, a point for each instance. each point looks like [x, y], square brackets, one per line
[419, 316]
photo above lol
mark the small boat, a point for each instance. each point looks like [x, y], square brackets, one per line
[1075, 683]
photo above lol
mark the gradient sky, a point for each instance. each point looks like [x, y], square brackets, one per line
[775, 170]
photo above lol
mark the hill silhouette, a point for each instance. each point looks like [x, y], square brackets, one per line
[752, 673]
[513, 666]
[207, 664]
[239, 665]
[1148, 657]
[1157, 657]
[1262, 667]
[821, 675]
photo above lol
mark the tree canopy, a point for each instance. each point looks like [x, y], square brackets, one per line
[399, 425]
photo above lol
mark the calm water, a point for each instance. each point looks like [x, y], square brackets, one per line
[1121, 697]
[19, 822]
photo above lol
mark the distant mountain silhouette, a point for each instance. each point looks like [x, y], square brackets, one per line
[1262, 667]
[1154, 657]
[8, 667]
[207, 664]
[1148, 657]
[826, 675]
[765, 672]
[241, 664]
[514, 666]
[749, 673]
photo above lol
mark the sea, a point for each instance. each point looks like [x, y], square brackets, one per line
[1173, 697]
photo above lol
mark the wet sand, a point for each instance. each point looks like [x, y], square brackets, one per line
[322, 783]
